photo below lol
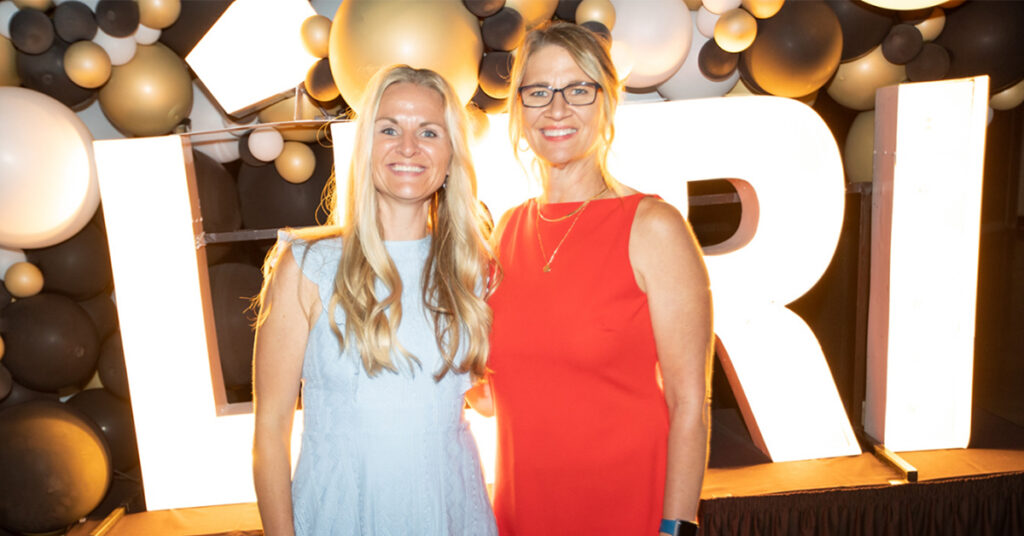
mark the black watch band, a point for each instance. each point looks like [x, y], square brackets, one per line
[680, 527]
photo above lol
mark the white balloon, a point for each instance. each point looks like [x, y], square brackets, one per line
[706, 22]
[48, 187]
[120, 49]
[205, 116]
[658, 33]
[98, 123]
[7, 11]
[689, 83]
[9, 256]
[266, 143]
[721, 6]
[144, 35]
[91, 3]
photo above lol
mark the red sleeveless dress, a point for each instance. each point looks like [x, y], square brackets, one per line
[582, 421]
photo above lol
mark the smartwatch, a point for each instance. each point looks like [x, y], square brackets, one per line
[678, 527]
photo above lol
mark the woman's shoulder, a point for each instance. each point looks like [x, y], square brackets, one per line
[312, 247]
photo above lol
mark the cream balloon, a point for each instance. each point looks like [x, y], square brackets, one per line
[932, 25]
[10, 257]
[762, 9]
[721, 6]
[207, 117]
[741, 90]
[48, 187]
[316, 35]
[7, 11]
[706, 21]
[266, 143]
[534, 12]
[296, 162]
[596, 10]
[159, 14]
[622, 59]
[688, 82]
[144, 35]
[441, 35]
[735, 30]
[658, 33]
[904, 5]
[8, 63]
[855, 81]
[87, 64]
[859, 149]
[121, 50]
[1008, 98]
[149, 95]
[23, 279]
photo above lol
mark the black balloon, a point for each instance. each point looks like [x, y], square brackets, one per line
[31, 31]
[232, 287]
[715, 63]
[566, 10]
[986, 38]
[245, 154]
[78, 267]
[218, 195]
[74, 21]
[598, 28]
[903, 43]
[864, 26]
[111, 368]
[19, 394]
[932, 63]
[118, 18]
[112, 417]
[484, 8]
[45, 73]
[57, 470]
[320, 82]
[6, 382]
[194, 20]
[504, 30]
[495, 73]
[102, 312]
[488, 103]
[269, 202]
[5, 296]
[51, 342]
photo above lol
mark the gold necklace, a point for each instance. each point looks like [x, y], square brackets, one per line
[578, 212]
[571, 214]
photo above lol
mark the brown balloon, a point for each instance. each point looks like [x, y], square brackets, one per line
[23, 279]
[296, 163]
[149, 95]
[714, 63]
[118, 18]
[495, 73]
[566, 10]
[487, 103]
[483, 8]
[316, 34]
[158, 14]
[74, 21]
[31, 31]
[932, 63]
[504, 30]
[903, 43]
[8, 63]
[320, 81]
[87, 64]
[596, 10]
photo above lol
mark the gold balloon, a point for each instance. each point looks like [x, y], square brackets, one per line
[763, 9]
[41, 5]
[296, 162]
[8, 66]
[693, 5]
[740, 90]
[735, 30]
[855, 82]
[23, 279]
[596, 10]
[932, 26]
[1, 347]
[149, 95]
[159, 14]
[1008, 98]
[534, 12]
[316, 35]
[367, 35]
[287, 110]
[859, 150]
[87, 64]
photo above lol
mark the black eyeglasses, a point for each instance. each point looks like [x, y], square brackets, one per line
[578, 94]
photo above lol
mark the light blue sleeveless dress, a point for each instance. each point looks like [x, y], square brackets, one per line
[390, 455]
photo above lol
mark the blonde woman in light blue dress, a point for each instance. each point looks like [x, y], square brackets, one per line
[383, 323]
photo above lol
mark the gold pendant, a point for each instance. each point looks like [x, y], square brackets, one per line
[547, 268]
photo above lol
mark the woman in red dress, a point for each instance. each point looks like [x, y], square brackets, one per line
[602, 341]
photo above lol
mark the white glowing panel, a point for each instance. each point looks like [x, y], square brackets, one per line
[253, 53]
[189, 455]
[929, 146]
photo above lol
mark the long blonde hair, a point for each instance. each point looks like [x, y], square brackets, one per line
[591, 54]
[456, 270]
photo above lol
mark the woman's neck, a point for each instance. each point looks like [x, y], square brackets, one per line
[400, 222]
[575, 181]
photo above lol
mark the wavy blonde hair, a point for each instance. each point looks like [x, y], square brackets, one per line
[591, 54]
[458, 263]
